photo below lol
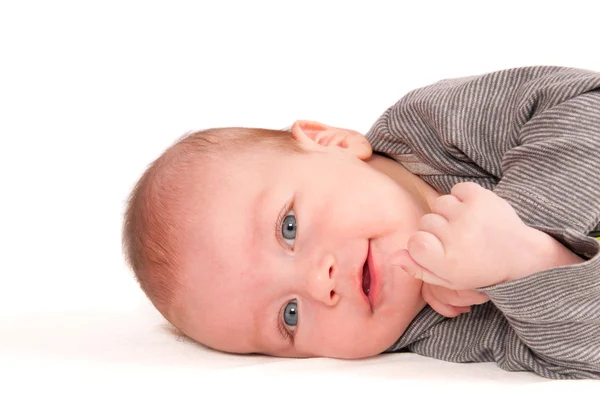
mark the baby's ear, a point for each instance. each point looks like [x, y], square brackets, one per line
[312, 133]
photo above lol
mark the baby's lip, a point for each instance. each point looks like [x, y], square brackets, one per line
[365, 281]
[376, 282]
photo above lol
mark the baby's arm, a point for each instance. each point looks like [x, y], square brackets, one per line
[537, 131]
[551, 179]
[555, 320]
[549, 295]
[551, 253]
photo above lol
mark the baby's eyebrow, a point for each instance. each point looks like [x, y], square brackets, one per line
[257, 223]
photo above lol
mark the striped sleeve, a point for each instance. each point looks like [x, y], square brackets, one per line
[533, 136]
[554, 317]
[547, 323]
[552, 179]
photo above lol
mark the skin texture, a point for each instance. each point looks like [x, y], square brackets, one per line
[240, 272]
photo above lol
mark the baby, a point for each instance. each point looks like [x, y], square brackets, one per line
[456, 228]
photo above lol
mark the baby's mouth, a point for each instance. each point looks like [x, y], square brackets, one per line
[366, 279]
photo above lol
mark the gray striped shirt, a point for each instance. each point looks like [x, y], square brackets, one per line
[532, 135]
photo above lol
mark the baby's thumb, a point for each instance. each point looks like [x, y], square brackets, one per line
[402, 259]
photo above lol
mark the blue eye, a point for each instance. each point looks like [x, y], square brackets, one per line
[288, 228]
[290, 315]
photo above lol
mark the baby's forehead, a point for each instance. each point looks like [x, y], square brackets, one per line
[229, 198]
[219, 208]
[218, 182]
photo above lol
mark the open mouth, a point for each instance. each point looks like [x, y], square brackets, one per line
[366, 279]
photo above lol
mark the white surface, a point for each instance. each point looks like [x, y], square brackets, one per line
[91, 92]
[90, 352]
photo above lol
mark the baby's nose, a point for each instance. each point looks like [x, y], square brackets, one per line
[321, 281]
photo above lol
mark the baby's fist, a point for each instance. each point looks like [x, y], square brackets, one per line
[472, 238]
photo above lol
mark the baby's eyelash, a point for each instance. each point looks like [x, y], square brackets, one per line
[281, 327]
[279, 222]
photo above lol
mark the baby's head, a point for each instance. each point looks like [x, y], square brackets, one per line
[264, 241]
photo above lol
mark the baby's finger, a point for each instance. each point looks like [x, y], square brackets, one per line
[428, 251]
[403, 259]
[465, 191]
[442, 308]
[448, 206]
[435, 224]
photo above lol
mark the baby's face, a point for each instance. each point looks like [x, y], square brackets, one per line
[282, 250]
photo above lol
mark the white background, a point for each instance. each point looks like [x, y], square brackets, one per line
[91, 92]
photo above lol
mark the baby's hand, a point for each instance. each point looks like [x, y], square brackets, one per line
[473, 238]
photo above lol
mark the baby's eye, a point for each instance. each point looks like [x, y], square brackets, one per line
[290, 315]
[288, 228]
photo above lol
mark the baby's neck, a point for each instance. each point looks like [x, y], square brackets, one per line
[420, 189]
